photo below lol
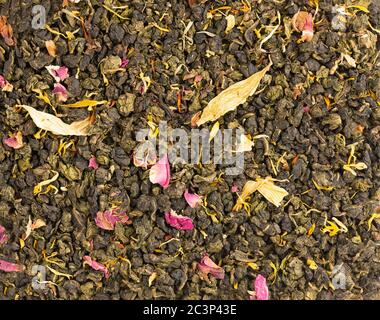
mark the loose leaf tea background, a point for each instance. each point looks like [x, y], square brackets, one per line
[301, 78]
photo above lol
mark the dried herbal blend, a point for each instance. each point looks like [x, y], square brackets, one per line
[189, 149]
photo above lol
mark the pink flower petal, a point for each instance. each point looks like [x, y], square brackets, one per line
[5, 85]
[303, 22]
[3, 236]
[192, 199]
[160, 172]
[15, 141]
[58, 73]
[2, 82]
[179, 222]
[11, 267]
[102, 221]
[261, 289]
[198, 78]
[61, 92]
[206, 266]
[63, 73]
[308, 32]
[124, 63]
[106, 220]
[96, 265]
[93, 163]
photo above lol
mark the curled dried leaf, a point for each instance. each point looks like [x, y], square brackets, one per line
[270, 35]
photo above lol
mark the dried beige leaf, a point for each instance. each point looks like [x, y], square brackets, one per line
[230, 23]
[152, 277]
[55, 125]
[51, 48]
[350, 60]
[38, 224]
[245, 144]
[249, 188]
[233, 96]
[28, 230]
[214, 131]
[266, 187]
[343, 228]
[271, 192]
[210, 34]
